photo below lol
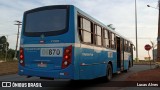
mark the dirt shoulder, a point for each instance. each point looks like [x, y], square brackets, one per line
[10, 67]
[147, 75]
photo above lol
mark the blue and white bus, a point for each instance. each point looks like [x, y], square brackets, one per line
[63, 42]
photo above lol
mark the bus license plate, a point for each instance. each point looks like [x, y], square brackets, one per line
[51, 52]
[42, 65]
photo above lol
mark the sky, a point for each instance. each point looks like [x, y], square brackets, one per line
[120, 13]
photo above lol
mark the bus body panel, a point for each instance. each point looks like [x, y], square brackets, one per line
[57, 74]
[94, 60]
[33, 48]
[87, 61]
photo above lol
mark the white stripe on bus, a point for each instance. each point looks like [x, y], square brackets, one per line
[67, 44]
[48, 45]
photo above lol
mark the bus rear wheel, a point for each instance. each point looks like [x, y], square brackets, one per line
[109, 72]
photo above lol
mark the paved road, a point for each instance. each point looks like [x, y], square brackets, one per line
[120, 77]
[89, 85]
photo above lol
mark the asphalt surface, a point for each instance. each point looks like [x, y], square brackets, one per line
[96, 84]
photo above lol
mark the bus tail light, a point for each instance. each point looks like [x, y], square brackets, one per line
[21, 57]
[67, 57]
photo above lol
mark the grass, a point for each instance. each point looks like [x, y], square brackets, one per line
[141, 62]
[10, 67]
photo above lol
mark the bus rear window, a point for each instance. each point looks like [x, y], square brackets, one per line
[48, 22]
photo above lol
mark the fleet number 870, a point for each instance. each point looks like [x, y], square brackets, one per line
[54, 52]
[51, 51]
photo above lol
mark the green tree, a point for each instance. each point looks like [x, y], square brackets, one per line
[3, 39]
[10, 54]
[4, 45]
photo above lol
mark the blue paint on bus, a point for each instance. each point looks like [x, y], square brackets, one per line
[63, 54]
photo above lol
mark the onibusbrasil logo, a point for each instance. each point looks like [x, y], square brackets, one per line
[20, 84]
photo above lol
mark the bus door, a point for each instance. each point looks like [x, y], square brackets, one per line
[118, 53]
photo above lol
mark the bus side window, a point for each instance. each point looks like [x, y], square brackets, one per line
[80, 28]
[98, 35]
[125, 45]
[86, 31]
[109, 38]
[121, 41]
[85, 28]
[129, 47]
[92, 34]
[113, 41]
[106, 38]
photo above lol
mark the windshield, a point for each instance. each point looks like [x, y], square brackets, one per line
[41, 22]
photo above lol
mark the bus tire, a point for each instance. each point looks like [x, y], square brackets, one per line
[128, 68]
[109, 72]
[125, 71]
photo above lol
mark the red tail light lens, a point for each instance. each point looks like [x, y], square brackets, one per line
[67, 54]
[66, 57]
[21, 57]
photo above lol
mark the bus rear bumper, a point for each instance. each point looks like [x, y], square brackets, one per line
[56, 74]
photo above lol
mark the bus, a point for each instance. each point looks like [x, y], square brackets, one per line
[63, 42]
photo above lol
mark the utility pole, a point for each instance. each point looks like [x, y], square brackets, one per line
[158, 38]
[136, 30]
[18, 23]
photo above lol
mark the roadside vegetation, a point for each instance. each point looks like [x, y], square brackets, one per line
[7, 64]
[143, 62]
[6, 53]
